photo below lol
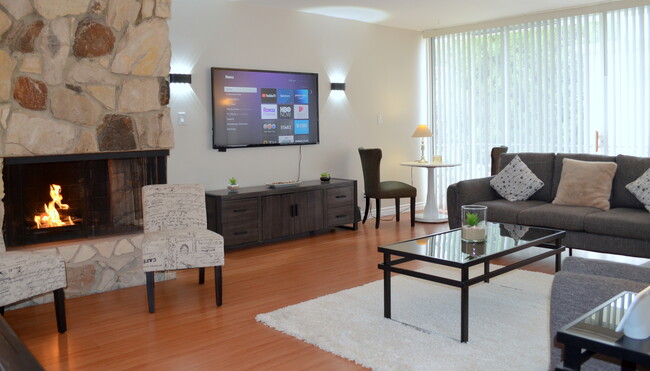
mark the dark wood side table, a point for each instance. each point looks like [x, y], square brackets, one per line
[594, 333]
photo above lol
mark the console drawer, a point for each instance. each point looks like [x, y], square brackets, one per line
[240, 211]
[235, 233]
[240, 221]
[340, 196]
[340, 215]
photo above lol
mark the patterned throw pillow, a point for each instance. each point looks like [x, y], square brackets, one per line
[516, 182]
[640, 188]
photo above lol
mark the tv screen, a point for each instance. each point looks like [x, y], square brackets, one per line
[263, 108]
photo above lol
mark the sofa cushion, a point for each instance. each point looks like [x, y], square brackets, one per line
[606, 268]
[556, 216]
[585, 183]
[629, 169]
[621, 221]
[504, 211]
[541, 164]
[640, 188]
[557, 166]
[607, 243]
[516, 182]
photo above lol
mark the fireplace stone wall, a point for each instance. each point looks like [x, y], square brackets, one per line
[84, 76]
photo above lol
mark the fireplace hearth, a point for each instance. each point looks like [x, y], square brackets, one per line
[92, 194]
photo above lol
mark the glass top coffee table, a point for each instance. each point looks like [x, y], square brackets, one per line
[449, 250]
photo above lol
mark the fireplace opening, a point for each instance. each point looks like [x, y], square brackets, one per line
[55, 198]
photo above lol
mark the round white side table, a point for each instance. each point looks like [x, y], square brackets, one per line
[430, 214]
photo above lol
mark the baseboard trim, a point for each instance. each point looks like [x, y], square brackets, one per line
[390, 210]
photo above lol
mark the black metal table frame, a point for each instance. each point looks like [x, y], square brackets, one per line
[465, 282]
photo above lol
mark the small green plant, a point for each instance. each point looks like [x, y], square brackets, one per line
[324, 175]
[472, 219]
[232, 181]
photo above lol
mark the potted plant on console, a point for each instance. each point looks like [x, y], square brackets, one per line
[325, 177]
[232, 184]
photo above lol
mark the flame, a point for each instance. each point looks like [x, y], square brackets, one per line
[51, 218]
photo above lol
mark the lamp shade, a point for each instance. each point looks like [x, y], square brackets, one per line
[422, 131]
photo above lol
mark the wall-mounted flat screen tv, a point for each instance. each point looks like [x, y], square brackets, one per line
[252, 108]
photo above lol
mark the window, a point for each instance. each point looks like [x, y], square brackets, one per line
[542, 86]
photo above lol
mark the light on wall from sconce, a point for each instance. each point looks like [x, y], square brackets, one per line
[338, 86]
[422, 131]
[180, 78]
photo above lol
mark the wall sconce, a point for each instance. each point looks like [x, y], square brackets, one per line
[338, 86]
[180, 78]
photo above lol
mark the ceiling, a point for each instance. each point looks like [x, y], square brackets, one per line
[422, 15]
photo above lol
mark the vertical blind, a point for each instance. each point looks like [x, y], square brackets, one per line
[543, 86]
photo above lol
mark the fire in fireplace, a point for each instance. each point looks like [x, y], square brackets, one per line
[102, 194]
[50, 217]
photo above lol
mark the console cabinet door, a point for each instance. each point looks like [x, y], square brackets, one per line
[293, 213]
[277, 212]
[308, 211]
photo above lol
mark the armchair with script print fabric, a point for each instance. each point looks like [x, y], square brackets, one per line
[176, 234]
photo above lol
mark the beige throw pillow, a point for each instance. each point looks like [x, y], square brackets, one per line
[585, 183]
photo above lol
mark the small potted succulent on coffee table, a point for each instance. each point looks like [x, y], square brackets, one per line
[474, 218]
[232, 184]
[325, 177]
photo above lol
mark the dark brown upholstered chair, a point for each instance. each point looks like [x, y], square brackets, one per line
[374, 188]
[495, 154]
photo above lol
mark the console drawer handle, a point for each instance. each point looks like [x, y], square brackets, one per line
[239, 210]
[341, 196]
[240, 233]
[341, 216]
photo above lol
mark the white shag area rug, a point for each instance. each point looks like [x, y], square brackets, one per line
[508, 324]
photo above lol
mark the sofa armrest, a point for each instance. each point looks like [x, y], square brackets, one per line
[467, 192]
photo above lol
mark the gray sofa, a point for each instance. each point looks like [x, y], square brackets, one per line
[584, 284]
[623, 230]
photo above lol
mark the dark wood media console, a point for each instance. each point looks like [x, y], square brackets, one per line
[253, 215]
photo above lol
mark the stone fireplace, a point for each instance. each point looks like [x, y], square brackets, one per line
[81, 82]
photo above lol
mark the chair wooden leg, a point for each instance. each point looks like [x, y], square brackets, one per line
[397, 209]
[150, 293]
[378, 212]
[412, 211]
[59, 307]
[218, 285]
[201, 276]
[365, 216]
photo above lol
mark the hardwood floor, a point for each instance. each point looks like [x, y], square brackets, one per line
[114, 331]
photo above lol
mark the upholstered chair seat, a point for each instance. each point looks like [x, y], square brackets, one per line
[25, 274]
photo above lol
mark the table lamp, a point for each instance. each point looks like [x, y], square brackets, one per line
[422, 131]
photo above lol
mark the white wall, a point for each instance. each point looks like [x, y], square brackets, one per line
[385, 74]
